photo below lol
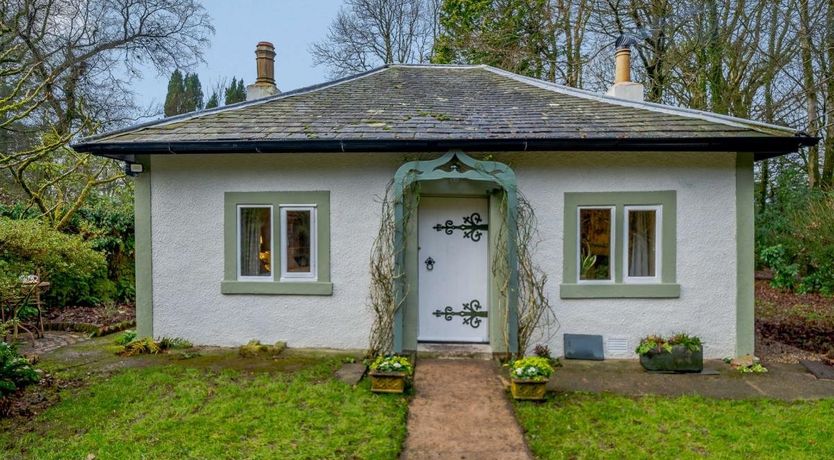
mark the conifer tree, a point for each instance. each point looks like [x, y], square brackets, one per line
[173, 99]
[213, 101]
[193, 94]
[235, 92]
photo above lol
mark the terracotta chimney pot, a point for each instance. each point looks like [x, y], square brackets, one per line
[623, 87]
[264, 85]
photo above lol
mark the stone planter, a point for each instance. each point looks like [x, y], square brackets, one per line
[387, 382]
[679, 360]
[533, 390]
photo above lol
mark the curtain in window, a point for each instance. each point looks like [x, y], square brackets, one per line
[254, 224]
[641, 247]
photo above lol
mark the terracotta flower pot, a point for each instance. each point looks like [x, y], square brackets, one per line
[528, 389]
[680, 359]
[387, 382]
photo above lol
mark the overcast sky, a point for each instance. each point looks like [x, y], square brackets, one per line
[291, 25]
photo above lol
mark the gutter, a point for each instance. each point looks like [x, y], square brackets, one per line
[763, 147]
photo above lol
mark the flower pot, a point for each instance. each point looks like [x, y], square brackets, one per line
[679, 360]
[528, 389]
[387, 382]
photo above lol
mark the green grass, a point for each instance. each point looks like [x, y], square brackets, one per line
[193, 410]
[578, 425]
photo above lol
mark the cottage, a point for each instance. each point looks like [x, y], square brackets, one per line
[257, 220]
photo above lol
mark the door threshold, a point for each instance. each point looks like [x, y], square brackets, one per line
[454, 350]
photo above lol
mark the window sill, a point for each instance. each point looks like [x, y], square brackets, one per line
[271, 287]
[619, 291]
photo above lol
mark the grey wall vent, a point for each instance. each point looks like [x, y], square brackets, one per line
[618, 346]
[583, 346]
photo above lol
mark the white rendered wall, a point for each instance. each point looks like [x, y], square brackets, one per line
[706, 248]
[187, 206]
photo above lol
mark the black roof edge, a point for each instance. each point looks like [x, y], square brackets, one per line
[763, 147]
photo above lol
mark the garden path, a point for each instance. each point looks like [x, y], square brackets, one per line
[626, 377]
[460, 410]
[52, 340]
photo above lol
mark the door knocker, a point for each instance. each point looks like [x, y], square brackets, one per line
[429, 264]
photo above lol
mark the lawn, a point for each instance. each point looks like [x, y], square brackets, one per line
[583, 425]
[213, 407]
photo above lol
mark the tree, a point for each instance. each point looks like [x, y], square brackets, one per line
[175, 95]
[369, 33]
[193, 94]
[515, 35]
[214, 101]
[235, 92]
[185, 94]
[71, 63]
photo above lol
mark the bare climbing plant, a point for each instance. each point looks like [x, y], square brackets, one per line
[383, 299]
[537, 320]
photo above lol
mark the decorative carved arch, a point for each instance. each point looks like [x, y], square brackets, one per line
[456, 165]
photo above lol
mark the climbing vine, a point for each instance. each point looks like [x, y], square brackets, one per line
[383, 299]
[536, 319]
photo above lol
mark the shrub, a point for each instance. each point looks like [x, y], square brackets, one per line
[106, 221]
[15, 370]
[255, 348]
[392, 363]
[659, 344]
[125, 337]
[531, 368]
[755, 368]
[796, 241]
[150, 346]
[76, 271]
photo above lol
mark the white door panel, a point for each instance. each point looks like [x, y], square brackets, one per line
[453, 234]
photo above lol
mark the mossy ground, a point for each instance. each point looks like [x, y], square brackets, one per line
[205, 403]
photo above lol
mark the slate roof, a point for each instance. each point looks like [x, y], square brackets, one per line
[432, 107]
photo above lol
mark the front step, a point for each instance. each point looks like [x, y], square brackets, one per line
[454, 351]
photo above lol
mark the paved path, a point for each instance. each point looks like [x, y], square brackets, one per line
[460, 411]
[52, 340]
[782, 381]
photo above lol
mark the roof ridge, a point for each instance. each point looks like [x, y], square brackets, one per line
[651, 106]
[428, 65]
[235, 106]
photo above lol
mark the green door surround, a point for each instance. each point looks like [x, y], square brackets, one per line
[453, 165]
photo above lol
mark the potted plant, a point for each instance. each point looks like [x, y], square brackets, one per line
[389, 373]
[678, 353]
[529, 376]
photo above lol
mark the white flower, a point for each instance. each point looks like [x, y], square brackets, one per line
[398, 365]
[519, 371]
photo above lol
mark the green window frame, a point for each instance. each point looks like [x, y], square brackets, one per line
[318, 285]
[665, 286]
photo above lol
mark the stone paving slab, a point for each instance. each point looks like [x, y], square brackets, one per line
[627, 377]
[51, 341]
[351, 373]
[820, 370]
[460, 410]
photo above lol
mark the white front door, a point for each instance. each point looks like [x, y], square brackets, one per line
[454, 259]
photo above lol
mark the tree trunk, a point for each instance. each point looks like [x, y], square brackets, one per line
[809, 84]
[828, 143]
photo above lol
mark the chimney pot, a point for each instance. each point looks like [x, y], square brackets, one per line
[622, 72]
[265, 82]
[623, 87]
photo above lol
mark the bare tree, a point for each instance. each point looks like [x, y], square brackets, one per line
[368, 33]
[80, 57]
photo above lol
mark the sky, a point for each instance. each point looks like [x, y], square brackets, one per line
[291, 25]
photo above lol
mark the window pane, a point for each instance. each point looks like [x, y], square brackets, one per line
[641, 243]
[595, 244]
[255, 242]
[298, 241]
